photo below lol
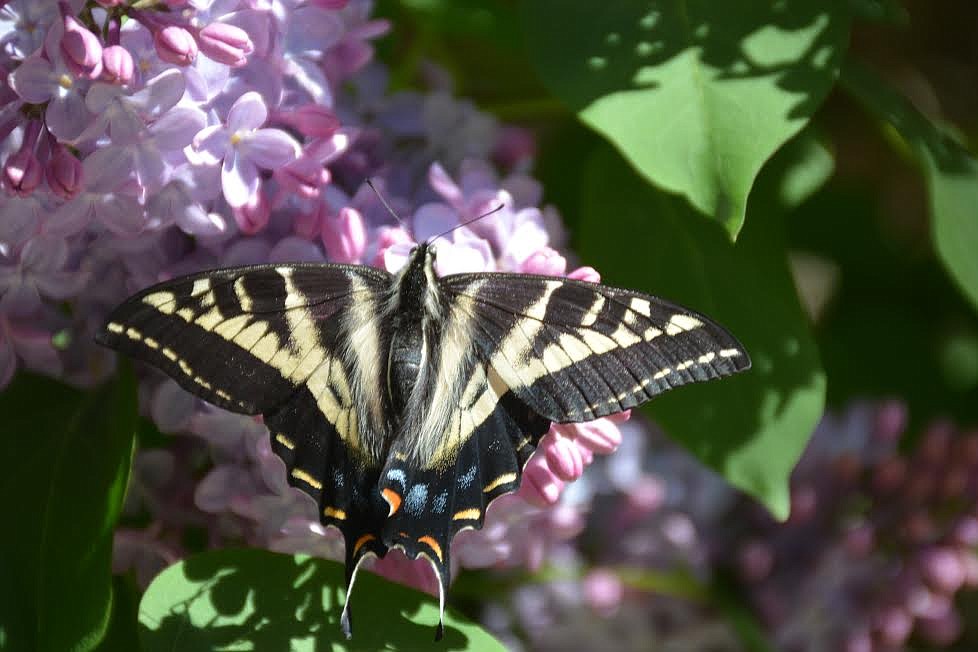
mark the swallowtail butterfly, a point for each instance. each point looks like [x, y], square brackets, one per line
[404, 404]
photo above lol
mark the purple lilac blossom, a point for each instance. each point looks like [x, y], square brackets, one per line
[878, 545]
[230, 133]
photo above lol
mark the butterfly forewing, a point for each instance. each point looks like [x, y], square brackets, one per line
[575, 351]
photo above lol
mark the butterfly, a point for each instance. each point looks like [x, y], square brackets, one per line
[405, 404]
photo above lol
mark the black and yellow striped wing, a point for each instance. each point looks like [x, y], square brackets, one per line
[575, 351]
[274, 340]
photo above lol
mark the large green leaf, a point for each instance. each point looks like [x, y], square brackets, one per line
[751, 427]
[950, 170]
[66, 464]
[696, 94]
[258, 600]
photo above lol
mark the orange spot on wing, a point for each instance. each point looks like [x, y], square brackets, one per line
[431, 543]
[362, 540]
[393, 499]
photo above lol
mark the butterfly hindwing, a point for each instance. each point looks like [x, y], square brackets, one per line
[575, 351]
[491, 436]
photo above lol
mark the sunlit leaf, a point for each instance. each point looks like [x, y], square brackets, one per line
[697, 95]
[260, 600]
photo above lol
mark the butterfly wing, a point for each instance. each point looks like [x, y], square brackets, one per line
[275, 340]
[575, 351]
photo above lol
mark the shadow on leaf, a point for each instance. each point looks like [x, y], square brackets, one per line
[258, 600]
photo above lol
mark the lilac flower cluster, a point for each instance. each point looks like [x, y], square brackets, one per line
[878, 545]
[140, 141]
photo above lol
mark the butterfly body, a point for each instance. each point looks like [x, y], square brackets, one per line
[405, 404]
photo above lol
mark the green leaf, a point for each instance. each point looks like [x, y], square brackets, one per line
[696, 94]
[950, 170]
[67, 459]
[751, 427]
[258, 600]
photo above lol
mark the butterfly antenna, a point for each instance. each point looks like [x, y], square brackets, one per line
[383, 201]
[467, 222]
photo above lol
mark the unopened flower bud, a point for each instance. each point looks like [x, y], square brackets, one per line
[175, 45]
[563, 457]
[22, 172]
[345, 236]
[603, 591]
[303, 176]
[546, 261]
[117, 65]
[540, 486]
[225, 43]
[64, 174]
[313, 120]
[81, 50]
[309, 224]
[253, 216]
[588, 274]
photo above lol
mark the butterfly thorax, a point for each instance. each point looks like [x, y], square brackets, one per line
[410, 317]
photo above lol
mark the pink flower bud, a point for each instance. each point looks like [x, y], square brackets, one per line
[891, 421]
[388, 236]
[345, 236]
[893, 625]
[312, 120]
[546, 261]
[601, 436]
[225, 43]
[81, 49]
[603, 591]
[540, 486]
[253, 216]
[303, 176]
[942, 569]
[22, 172]
[64, 174]
[588, 274]
[309, 224]
[646, 495]
[563, 456]
[117, 65]
[175, 45]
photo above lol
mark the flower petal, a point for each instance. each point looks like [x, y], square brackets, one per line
[212, 144]
[432, 219]
[67, 116]
[239, 180]
[33, 80]
[160, 94]
[270, 148]
[248, 112]
[178, 127]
